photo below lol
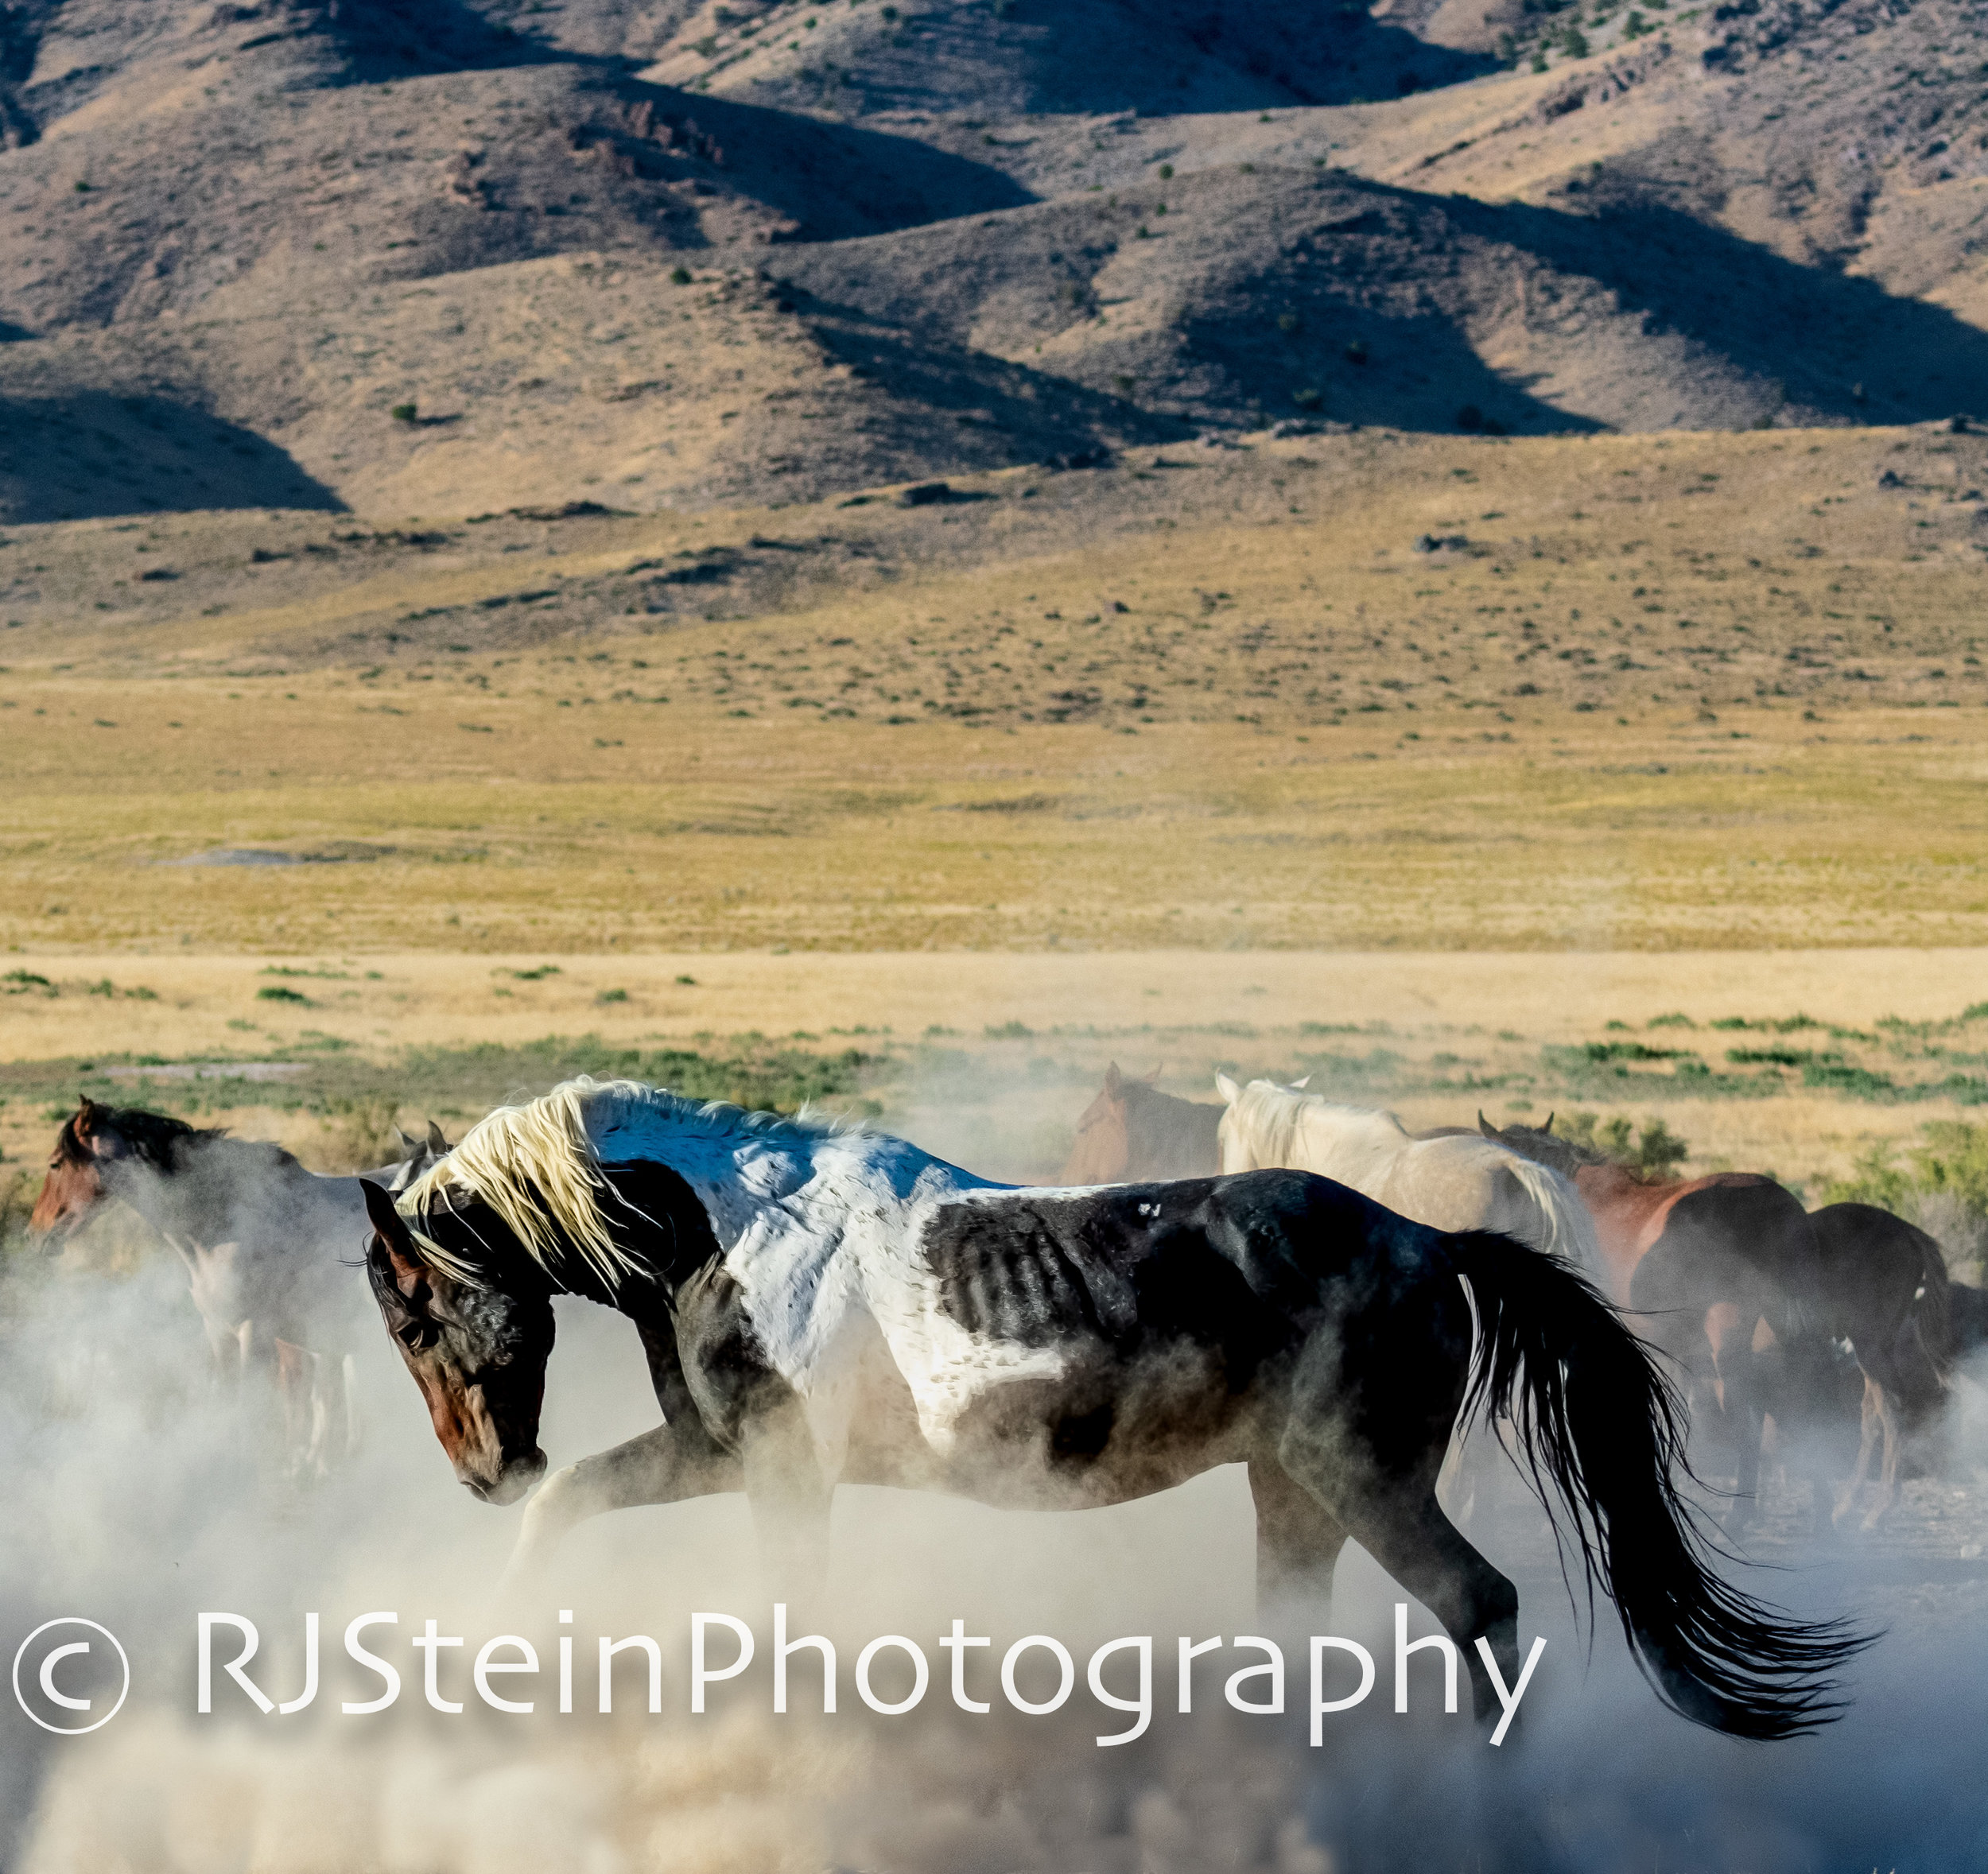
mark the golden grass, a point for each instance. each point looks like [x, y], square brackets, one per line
[1213, 706]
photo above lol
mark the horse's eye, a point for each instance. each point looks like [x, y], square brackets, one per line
[418, 1336]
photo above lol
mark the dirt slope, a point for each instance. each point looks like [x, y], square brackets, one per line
[698, 254]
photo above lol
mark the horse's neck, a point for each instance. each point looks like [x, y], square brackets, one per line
[1177, 1138]
[221, 1188]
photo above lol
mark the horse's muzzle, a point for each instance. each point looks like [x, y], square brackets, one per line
[518, 1476]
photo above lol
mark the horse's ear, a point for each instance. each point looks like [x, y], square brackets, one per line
[1299, 1086]
[391, 1228]
[408, 1141]
[1152, 1079]
[1114, 1082]
[437, 1139]
[1548, 1126]
[92, 1131]
[1228, 1088]
[1484, 1126]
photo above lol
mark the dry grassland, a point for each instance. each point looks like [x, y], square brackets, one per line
[1692, 691]
[988, 1058]
[960, 800]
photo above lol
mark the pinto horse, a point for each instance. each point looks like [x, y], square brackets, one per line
[1705, 1262]
[1132, 1133]
[264, 1242]
[821, 1305]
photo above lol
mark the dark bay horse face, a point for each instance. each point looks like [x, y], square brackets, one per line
[477, 1352]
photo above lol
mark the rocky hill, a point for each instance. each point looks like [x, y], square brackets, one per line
[437, 256]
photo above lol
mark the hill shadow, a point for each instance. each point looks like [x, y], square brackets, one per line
[1413, 370]
[1004, 410]
[832, 180]
[1835, 343]
[87, 454]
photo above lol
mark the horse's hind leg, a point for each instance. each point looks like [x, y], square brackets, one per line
[1401, 1525]
[1298, 1541]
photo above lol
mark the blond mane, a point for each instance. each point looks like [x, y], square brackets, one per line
[537, 1166]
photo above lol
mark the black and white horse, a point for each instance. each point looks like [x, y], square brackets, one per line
[822, 1305]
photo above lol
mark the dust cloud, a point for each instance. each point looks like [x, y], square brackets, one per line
[138, 1497]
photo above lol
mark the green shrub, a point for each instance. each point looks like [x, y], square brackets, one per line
[405, 412]
[1952, 1164]
[1656, 1152]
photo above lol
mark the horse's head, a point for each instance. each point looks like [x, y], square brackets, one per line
[88, 1144]
[476, 1343]
[1542, 1146]
[1103, 1153]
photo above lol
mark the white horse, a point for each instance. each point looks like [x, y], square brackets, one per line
[1453, 1181]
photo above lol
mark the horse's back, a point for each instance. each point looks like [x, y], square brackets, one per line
[1198, 1257]
[1732, 1235]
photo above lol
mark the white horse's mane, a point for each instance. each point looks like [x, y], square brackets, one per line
[1273, 1114]
[537, 1164]
[1359, 1142]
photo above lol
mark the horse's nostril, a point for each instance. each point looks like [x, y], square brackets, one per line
[475, 1489]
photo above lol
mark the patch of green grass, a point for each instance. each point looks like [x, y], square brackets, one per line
[1859, 1082]
[275, 992]
[466, 1082]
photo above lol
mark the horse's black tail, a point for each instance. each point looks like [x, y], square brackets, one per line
[1596, 1419]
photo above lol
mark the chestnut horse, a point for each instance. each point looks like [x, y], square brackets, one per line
[1707, 1261]
[268, 1247]
[1131, 1132]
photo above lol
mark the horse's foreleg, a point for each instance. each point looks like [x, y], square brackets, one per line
[1847, 1492]
[791, 1501]
[669, 1465]
[355, 1425]
[1298, 1541]
[1730, 1331]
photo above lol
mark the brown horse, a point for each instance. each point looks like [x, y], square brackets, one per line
[1132, 1133]
[1884, 1290]
[266, 1245]
[1708, 1261]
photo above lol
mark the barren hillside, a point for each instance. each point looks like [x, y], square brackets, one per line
[442, 257]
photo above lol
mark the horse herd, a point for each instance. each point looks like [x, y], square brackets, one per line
[1303, 1288]
[1759, 1305]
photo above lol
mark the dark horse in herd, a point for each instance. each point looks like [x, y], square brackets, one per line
[265, 1245]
